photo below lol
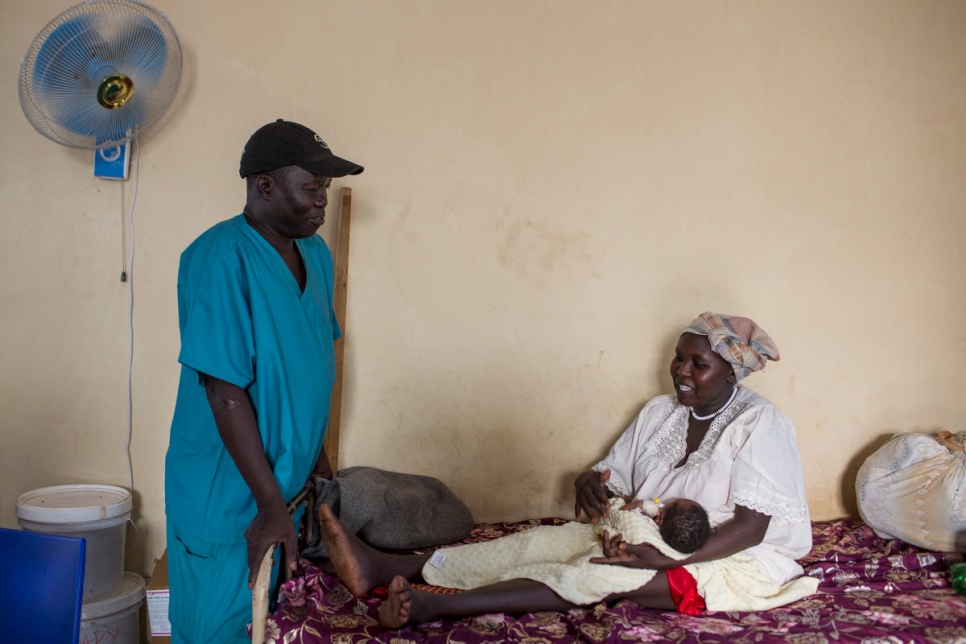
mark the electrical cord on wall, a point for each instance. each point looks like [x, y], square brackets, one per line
[127, 275]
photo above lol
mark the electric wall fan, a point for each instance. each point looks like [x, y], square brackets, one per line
[100, 74]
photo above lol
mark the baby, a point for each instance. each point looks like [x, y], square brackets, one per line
[683, 523]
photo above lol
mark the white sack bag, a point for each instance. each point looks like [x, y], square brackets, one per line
[913, 488]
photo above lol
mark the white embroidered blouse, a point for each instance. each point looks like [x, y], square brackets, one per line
[749, 457]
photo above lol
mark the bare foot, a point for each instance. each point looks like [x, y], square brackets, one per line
[350, 556]
[394, 612]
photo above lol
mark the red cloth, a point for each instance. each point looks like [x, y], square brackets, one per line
[684, 592]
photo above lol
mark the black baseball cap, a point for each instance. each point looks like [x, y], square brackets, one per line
[284, 143]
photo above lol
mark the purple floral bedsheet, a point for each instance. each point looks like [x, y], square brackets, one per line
[871, 590]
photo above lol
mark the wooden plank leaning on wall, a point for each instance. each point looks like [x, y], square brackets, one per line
[344, 222]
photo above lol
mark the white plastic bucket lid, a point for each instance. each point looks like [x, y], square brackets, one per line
[129, 594]
[74, 503]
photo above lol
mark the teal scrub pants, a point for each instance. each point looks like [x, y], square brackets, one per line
[210, 602]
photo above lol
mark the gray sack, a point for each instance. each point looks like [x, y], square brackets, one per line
[392, 510]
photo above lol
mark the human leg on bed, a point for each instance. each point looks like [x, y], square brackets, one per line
[359, 566]
[406, 605]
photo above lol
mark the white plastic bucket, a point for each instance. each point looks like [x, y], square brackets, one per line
[114, 619]
[97, 513]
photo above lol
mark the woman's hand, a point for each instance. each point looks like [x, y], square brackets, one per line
[617, 552]
[613, 545]
[270, 526]
[591, 495]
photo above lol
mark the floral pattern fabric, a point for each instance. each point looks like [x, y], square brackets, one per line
[870, 590]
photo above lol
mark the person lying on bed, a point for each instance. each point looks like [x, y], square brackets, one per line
[560, 556]
[712, 441]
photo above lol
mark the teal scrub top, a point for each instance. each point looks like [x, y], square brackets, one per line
[243, 319]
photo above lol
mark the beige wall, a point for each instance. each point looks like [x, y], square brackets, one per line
[552, 190]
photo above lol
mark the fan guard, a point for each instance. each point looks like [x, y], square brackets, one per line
[100, 74]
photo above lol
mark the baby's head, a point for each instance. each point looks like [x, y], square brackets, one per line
[684, 525]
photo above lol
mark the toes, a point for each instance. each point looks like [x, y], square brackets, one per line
[400, 587]
[394, 612]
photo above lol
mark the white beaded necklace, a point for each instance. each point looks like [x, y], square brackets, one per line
[734, 392]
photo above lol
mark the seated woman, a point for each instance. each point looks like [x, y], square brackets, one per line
[714, 442]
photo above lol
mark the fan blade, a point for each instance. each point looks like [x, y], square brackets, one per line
[101, 73]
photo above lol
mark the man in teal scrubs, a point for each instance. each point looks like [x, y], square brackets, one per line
[258, 365]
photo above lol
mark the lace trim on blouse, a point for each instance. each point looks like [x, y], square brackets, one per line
[615, 488]
[671, 438]
[780, 512]
[669, 442]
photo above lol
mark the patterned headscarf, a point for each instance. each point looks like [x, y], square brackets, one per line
[738, 340]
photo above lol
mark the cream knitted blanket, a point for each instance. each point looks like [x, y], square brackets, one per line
[559, 557]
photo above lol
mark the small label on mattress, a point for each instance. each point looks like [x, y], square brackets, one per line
[437, 559]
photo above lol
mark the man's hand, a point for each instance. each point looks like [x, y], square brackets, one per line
[270, 526]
